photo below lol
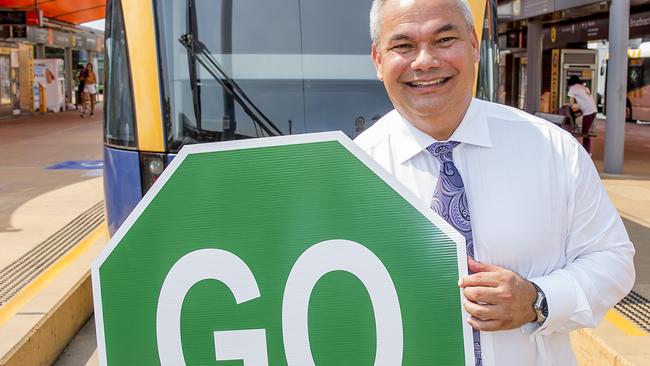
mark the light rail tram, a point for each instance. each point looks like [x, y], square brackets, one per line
[192, 71]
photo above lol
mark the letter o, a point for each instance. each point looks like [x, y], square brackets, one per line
[341, 255]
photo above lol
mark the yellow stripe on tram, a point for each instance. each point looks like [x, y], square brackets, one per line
[141, 40]
[624, 324]
[478, 11]
[30, 291]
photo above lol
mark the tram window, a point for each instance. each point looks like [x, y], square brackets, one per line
[646, 71]
[119, 119]
[320, 36]
[341, 87]
[263, 58]
[305, 61]
[635, 77]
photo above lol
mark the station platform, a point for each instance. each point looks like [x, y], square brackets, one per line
[51, 229]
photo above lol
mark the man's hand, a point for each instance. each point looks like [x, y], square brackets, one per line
[497, 298]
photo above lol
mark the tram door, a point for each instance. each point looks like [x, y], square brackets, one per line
[583, 64]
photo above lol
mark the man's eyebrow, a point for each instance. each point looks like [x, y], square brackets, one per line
[445, 28]
[399, 37]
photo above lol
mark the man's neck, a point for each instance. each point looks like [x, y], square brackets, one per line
[439, 127]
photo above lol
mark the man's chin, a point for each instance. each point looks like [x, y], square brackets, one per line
[427, 109]
[426, 112]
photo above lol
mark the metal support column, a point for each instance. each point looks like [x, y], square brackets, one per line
[40, 51]
[534, 66]
[619, 29]
[67, 62]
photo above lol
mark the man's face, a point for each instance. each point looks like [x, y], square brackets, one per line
[425, 57]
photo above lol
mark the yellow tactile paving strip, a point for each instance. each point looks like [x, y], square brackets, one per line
[31, 290]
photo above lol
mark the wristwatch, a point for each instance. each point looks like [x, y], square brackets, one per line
[540, 306]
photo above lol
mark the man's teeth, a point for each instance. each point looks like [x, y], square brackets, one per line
[429, 82]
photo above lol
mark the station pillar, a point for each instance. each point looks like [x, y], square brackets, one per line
[534, 67]
[40, 51]
[619, 28]
[67, 61]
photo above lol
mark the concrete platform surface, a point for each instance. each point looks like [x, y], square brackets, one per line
[35, 202]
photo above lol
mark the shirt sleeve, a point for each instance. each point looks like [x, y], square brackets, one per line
[599, 269]
[571, 92]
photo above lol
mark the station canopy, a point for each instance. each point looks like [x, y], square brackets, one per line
[69, 11]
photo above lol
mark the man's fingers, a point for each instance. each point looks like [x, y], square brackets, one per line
[476, 266]
[485, 325]
[481, 311]
[482, 279]
[481, 294]
[486, 317]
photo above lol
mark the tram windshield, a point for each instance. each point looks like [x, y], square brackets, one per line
[305, 64]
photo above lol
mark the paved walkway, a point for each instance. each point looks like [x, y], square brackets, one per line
[630, 193]
[35, 201]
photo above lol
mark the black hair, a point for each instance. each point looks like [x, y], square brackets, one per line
[573, 80]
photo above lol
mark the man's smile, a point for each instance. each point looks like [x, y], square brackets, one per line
[427, 83]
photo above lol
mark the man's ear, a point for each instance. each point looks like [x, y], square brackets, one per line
[476, 48]
[376, 60]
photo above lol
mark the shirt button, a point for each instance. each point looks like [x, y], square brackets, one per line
[483, 357]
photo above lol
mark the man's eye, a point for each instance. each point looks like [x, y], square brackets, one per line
[446, 40]
[401, 46]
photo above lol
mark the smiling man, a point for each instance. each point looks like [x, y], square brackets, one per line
[548, 251]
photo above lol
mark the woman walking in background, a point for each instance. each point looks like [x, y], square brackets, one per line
[580, 98]
[90, 89]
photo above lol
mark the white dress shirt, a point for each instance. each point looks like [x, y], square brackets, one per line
[537, 207]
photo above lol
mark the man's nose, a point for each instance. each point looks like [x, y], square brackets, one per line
[425, 59]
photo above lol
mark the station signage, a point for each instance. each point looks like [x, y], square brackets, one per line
[34, 17]
[79, 41]
[37, 35]
[558, 35]
[91, 42]
[531, 8]
[62, 39]
[294, 250]
[524, 9]
[13, 17]
[5, 31]
[18, 31]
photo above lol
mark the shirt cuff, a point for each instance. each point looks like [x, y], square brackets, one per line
[560, 295]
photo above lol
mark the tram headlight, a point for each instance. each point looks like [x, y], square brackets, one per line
[151, 166]
[156, 166]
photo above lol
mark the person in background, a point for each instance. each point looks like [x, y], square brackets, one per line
[547, 251]
[90, 89]
[580, 98]
[79, 99]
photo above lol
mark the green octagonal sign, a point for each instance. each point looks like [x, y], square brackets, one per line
[295, 250]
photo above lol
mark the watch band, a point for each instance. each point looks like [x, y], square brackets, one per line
[540, 306]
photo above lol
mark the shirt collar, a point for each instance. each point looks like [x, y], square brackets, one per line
[473, 130]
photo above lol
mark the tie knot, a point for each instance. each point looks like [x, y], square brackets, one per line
[442, 150]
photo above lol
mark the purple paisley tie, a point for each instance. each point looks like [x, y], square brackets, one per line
[450, 202]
